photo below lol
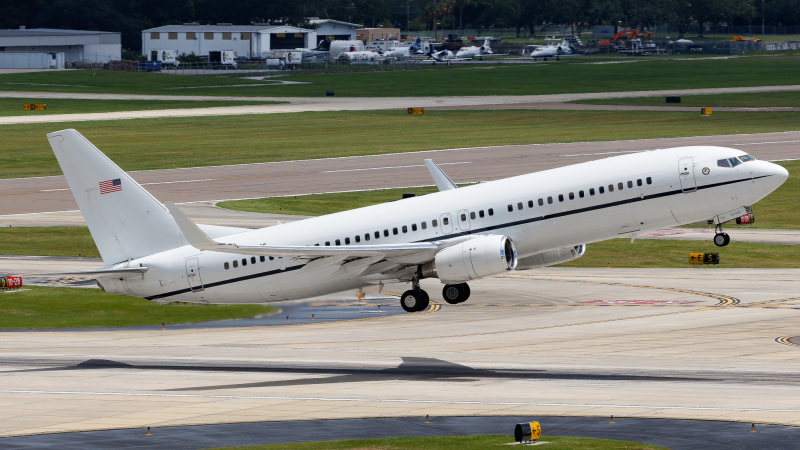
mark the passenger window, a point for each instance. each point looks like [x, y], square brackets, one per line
[530, 203]
[413, 227]
[358, 239]
[366, 236]
[601, 189]
[262, 259]
[580, 194]
[472, 215]
[434, 223]
[510, 208]
[252, 260]
[227, 266]
[377, 235]
[549, 200]
[235, 263]
[561, 197]
[541, 202]
[405, 229]
[481, 214]
[630, 184]
[610, 188]
[519, 206]
[639, 182]
[271, 258]
[572, 196]
[394, 231]
[338, 242]
[446, 221]
[386, 233]
[463, 217]
[649, 180]
[424, 225]
[620, 186]
[327, 243]
[491, 211]
[244, 262]
[347, 241]
[591, 191]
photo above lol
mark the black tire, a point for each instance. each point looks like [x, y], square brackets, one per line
[451, 294]
[721, 239]
[414, 300]
[727, 239]
[465, 291]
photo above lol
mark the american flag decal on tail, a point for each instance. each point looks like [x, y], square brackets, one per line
[110, 186]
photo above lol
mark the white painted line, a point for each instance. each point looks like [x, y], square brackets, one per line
[396, 400]
[391, 167]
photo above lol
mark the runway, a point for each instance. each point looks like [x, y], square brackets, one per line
[701, 343]
[463, 165]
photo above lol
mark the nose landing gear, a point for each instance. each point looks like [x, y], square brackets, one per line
[721, 239]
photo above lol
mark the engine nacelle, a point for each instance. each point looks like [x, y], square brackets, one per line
[549, 258]
[478, 257]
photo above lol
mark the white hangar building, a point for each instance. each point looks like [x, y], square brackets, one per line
[255, 41]
[62, 45]
[334, 30]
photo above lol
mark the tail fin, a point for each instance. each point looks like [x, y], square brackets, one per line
[126, 222]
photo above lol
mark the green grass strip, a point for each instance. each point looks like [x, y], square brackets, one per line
[51, 307]
[207, 141]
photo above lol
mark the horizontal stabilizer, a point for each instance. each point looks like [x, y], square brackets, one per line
[199, 240]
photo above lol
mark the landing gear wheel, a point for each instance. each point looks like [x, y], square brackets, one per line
[722, 239]
[414, 300]
[455, 293]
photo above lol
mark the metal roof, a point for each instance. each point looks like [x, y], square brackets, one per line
[226, 28]
[322, 21]
[23, 32]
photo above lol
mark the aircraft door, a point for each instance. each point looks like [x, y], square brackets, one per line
[463, 220]
[446, 223]
[193, 274]
[686, 174]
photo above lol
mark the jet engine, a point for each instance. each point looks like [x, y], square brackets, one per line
[478, 257]
[548, 258]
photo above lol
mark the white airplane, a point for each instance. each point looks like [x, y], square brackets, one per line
[405, 51]
[445, 56]
[552, 50]
[475, 52]
[364, 55]
[456, 235]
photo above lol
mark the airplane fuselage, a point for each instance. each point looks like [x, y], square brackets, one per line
[539, 212]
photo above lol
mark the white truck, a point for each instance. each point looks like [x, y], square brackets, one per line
[165, 57]
[223, 59]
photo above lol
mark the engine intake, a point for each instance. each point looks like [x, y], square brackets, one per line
[549, 258]
[478, 257]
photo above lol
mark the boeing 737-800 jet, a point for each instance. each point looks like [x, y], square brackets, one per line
[456, 235]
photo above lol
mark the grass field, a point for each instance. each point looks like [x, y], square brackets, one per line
[205, 141]
[746, 100]
[574, 75]
[13, 106]
[50, 307]
[453, 442]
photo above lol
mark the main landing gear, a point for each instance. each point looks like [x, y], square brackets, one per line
[415, 299]
[721, 239]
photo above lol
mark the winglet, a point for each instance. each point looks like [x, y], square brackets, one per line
[443, 182]
[196, 237]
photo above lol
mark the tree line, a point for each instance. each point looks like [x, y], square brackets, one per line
[130, 17]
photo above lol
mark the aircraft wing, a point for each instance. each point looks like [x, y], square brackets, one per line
[404, 252]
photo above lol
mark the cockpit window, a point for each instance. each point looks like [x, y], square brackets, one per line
[733, 162]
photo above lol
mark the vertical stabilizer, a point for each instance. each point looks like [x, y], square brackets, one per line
[126, 222]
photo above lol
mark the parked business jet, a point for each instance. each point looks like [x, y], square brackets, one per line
[551, 50]
[456, 235]
[404, 51]
[475, 52]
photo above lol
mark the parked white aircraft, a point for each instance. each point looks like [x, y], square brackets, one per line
[552, 50]
[405, 51]
[365, 55]
[456, 235]
[475, 52]
[445, 56]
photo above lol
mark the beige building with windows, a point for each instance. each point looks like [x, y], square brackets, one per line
[254, 41]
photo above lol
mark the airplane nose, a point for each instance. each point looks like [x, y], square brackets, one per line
[775, 177]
